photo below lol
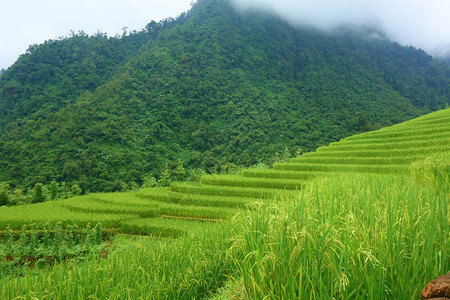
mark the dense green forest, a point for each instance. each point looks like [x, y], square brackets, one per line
[210, 87]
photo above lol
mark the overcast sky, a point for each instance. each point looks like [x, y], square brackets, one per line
[421, 23]
[26, 22]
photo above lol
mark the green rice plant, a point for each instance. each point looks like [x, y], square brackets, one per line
[432, 118]
[254, 182]
[197, 212]
[224, 191]
[399, 160]
[433, 171]
[400, 131]
[91, 205]
[344, 236]
[53, 212]
[330, 159]
[165, 227]
[374, 145]
[442, 121]
[352, 237]
[139, 268]
[154, 227]
[387, 169]
[36, 246]
[270, 173]
[196, 206]
[381, 153]
[196, 199]
[122, 199]
[156, 194]
[420, 135]
[233, 289]
[433, 123]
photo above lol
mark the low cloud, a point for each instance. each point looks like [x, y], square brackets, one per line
[423, 24]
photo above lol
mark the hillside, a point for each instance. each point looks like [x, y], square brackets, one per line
[389, 151]
[377, 213]
[212, 86]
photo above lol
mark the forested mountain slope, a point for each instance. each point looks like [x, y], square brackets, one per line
[212, 86]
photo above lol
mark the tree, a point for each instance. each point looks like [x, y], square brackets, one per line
[149, 182]
[229, 168]
[75, 190]
[38, 194]
[4, 194]
[180, 172]
[54, 189]
[166, 175]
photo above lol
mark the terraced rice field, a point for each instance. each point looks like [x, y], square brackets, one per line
[182, 207]
[390, 150]
[325, 224]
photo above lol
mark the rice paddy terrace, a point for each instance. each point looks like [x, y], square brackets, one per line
[183, 208]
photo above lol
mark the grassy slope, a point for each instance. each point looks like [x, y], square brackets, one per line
[328, 202]
[390, 150]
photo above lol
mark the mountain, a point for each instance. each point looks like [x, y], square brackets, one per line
[210, 87]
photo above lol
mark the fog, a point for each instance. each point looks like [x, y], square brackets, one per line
[423, 24]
